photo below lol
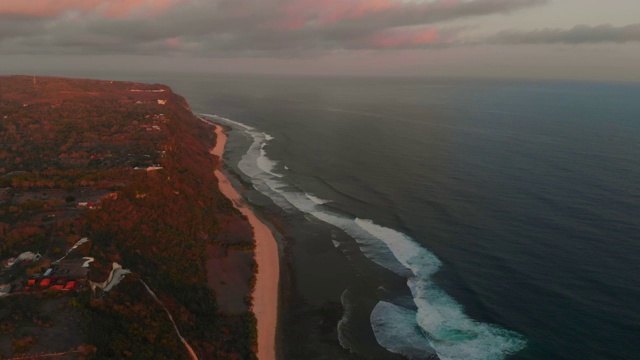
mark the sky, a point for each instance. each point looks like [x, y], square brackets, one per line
[537, 39]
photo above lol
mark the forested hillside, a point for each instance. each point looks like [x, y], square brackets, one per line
[126, 166]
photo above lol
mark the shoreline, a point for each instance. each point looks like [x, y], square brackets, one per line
[266, 291]
[309, 327]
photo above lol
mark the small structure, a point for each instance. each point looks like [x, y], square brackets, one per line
[48, 272]
[25, 256]
[88, 260]
[45, 282]
[57, 287]
[116, 275]
[80, 242]
[73, 268]
[29, 256]
[70, 285]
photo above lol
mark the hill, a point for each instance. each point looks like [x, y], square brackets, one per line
[123, 171]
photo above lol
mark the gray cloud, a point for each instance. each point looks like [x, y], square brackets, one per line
[254, 27]
[580, 34]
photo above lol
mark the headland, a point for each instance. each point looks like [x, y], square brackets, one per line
[108, 207]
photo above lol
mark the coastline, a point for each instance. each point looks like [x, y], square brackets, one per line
[266, 291]
[310, 326]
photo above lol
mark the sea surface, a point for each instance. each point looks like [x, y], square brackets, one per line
[472, 219]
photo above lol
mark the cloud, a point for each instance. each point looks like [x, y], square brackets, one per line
[106, 8]
[580, 34]
[273, 28]
[391, 13]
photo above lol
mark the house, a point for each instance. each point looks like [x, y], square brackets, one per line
[162, 102]
[25, 256]
[45, 282]
[29, 256]
[56, 287]
[71, 285]
[31, 282]
[72, 268]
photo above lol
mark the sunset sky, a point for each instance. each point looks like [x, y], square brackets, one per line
[549, 39]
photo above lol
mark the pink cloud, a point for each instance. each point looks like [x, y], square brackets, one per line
[299, 13]
[106, 8]
[173, 43]
[408, 38]
[336, 10]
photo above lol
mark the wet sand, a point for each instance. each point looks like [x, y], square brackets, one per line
[265, 295]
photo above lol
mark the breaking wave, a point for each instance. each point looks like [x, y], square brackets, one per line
[439, 323]
[316, 199]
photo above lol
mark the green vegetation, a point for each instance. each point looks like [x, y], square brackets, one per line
[68, 149]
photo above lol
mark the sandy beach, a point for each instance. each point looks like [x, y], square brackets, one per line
[265, 295]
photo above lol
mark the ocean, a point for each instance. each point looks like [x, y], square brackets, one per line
[465, 218]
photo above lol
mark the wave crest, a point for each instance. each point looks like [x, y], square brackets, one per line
[439, 321]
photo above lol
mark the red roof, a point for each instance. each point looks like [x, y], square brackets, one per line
[45, 282]
[31, 282]
[70, 285]
[56, 287]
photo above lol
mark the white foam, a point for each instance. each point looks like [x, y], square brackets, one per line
[265, 164]
[395, 329]
[371, 247]
[223, 119]
[451, 333]
[409, 253]
[316, 199]
[442, 320]
[455, 336]
[346, 317]
[256, 154]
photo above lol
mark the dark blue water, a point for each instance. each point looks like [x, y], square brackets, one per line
[527, 193]
[511, 210]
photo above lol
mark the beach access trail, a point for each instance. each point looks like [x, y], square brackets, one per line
[265, 294]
